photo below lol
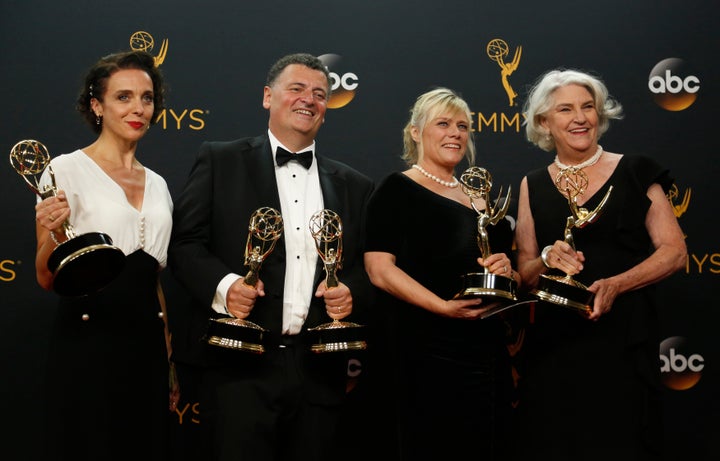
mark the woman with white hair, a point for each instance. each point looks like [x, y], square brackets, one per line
[590, 386]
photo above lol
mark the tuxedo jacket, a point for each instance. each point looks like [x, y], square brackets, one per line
[227, 184]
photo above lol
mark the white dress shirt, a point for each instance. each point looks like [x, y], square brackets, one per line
[300, 198]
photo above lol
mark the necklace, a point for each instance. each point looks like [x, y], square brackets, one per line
[589, 162]
[449, 184]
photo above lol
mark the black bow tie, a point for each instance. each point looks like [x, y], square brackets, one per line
[282, 157]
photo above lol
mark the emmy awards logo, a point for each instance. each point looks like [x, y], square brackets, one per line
[679, 209]
[497, 50]
[326, 229]
[565, 291]
[143, 41]
[83, 264]
[476, 183]
[266, 227]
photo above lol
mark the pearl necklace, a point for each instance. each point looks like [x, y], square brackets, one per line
[449, 184]
[589, 162]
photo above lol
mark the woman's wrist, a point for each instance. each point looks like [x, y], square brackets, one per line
[54, 238]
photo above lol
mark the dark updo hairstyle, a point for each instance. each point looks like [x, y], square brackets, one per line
[96, 82]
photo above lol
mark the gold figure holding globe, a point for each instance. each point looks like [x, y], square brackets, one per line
[143, 41]
[497, 50]
[82, 264]
[265, 229]
[476, 184]
[564, 290]
[336, 336]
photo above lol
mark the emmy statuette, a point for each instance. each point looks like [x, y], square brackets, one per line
[83, 264]
[335, 336]
[477, 183]
[565, 291]
[266, 227]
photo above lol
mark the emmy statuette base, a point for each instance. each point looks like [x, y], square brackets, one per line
[481, 285]
[85, 264]
[337, 336]
[564, 291]
[236, 334]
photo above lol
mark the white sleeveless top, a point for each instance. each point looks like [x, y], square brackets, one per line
[98, 204]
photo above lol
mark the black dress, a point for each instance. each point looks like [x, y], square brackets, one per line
[591, 390]
[447, 382]
[107, 382]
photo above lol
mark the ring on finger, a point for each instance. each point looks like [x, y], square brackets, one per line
[51, 218]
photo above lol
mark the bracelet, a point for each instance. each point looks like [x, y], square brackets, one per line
[544, 255]
[54, 239]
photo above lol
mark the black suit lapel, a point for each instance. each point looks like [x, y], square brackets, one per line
[331, 186]
[261, 171]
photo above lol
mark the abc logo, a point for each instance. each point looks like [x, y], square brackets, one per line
[343, 83]
[672, 84]
[354, 368]
[680, 367]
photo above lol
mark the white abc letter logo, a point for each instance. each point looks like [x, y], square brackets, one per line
[346, 81]
[343, 83]
[673, 86]
[680, 369]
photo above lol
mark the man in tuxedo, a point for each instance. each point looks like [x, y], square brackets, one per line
[286, 402]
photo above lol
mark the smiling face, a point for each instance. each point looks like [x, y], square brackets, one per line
[297, 102]
[572, 120]
[127, 105]
[443, 140]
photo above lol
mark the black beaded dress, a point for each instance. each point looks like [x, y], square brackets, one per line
[447, 381]
[591, 390]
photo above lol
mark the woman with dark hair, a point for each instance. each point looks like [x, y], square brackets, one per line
[108, 365]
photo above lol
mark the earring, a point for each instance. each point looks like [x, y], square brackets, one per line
[98, 119]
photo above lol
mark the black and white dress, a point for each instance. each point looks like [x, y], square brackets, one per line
[107, 375]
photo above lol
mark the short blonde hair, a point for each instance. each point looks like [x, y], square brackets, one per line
[426, 107]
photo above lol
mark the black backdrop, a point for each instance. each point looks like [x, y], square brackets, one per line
[386, 53]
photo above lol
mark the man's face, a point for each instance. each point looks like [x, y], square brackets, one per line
[297, 102]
